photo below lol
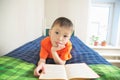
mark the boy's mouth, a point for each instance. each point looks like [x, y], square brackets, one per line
[58, 43]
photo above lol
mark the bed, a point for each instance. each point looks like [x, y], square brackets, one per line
[20, 63]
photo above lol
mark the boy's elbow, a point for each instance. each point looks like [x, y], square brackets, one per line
[62, 63]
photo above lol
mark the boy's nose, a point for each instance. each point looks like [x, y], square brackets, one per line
[60, 38]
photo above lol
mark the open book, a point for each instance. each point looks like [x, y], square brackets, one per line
[79, 71]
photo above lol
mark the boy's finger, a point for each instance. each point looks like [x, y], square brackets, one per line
[36, 73]
[43, 70]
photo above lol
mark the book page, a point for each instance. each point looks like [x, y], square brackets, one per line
[80, 70]
[54, 72]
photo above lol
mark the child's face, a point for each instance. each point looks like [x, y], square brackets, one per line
[60, 35]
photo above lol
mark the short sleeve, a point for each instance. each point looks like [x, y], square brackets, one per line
[43, 51]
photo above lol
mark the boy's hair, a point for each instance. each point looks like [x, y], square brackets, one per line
[62, 21]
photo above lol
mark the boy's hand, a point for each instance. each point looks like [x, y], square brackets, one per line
[58, 47]
[39, 69]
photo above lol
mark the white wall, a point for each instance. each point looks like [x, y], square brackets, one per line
[76, 10]
[20, 22]
[119, 31]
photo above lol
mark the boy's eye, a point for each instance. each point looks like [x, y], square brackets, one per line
[65, 36]
[56, 32]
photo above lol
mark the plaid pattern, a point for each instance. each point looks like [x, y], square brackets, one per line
[15, 69]
[28, 52]
[80, 52]
[106, 72]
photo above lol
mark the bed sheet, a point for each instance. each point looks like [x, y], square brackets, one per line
[17, 69]
[80, 52]
[28, 52]
[106, 72]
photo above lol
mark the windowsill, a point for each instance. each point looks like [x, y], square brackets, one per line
[104, 47]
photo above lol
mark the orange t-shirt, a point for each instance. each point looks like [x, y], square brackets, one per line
[45, 51]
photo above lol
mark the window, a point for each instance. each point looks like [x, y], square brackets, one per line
[103, 23]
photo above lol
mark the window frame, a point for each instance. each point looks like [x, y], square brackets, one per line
[110, 18]
[113, 30]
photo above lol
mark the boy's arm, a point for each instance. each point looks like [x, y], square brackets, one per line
[56, 58]
[40, 68]
[41, 61]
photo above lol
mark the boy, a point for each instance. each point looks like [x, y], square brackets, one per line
[57, 45]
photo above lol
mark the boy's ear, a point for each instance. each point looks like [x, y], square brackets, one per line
[49, 31]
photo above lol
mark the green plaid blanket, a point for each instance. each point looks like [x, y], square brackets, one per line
[15, 69]
[106, 72]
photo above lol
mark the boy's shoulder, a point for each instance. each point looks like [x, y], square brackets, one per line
[69, 43]
[46, 40]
